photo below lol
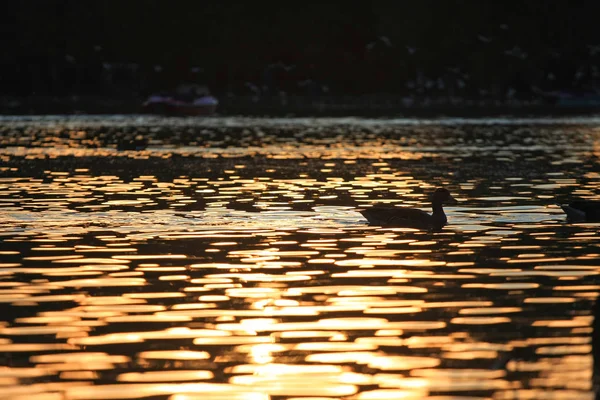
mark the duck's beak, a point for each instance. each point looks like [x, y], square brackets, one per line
[451, 200]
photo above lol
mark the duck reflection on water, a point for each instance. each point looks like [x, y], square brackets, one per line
[412, 217]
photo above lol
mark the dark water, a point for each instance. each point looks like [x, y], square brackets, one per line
[228, 261]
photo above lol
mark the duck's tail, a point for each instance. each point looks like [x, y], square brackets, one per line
[573, 214]
[369, 215]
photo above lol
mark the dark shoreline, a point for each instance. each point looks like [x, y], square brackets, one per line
[367, 106]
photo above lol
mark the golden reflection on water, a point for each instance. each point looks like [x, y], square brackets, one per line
[231, 263]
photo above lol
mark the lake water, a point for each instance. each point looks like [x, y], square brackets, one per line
[227, 260]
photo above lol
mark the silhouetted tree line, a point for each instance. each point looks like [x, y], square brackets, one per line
[475, 48]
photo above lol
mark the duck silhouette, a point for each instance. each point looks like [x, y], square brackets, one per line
[412, 217]
[582, 210]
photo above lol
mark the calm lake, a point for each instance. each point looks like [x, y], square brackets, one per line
[227, 259]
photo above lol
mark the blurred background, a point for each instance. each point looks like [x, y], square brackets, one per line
[425, 52]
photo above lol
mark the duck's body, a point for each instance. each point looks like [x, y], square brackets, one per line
[582, 210]
[411, 217]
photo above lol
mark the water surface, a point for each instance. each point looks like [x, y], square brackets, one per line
[227, 260]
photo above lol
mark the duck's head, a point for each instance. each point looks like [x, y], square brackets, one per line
[443, 196]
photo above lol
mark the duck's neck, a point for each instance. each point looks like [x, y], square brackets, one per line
[438, 211]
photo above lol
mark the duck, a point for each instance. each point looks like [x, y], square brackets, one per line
[582, 210]
[412, 217]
